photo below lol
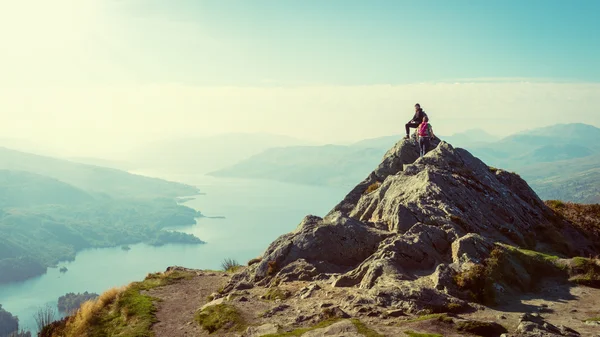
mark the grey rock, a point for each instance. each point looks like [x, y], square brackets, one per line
[344, 328]
[275, 310]
[265, 329]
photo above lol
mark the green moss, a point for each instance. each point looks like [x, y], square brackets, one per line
[301, 331]
[481, 328]
[585, 272]
[365, 330]
[216, 317]
[276, 293]
[440, 317]
[492, 169]
[593, 319]
[417, 334]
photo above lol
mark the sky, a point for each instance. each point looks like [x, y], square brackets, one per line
[90, 76]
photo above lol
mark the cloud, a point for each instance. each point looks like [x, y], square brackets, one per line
[102, 119]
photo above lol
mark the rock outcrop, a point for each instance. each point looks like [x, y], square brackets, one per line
[414, 223]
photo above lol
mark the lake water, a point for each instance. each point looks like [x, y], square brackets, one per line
[256, 212]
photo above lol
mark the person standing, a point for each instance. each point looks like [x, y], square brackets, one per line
[416, 120]
[425, 133]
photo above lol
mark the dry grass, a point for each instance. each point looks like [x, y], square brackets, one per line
[119, 311]
[373, 187]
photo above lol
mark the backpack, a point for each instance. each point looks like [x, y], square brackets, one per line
[424, 132]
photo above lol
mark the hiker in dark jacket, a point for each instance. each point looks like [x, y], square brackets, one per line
[416, 120]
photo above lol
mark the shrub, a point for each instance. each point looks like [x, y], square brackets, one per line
[44, 316]
[373, 187]
[230, 265]
[585, 272]
[254, 261]
[216, 317]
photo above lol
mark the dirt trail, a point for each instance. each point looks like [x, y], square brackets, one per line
[180, 301]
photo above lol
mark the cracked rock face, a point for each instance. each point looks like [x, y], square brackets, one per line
[405, 239]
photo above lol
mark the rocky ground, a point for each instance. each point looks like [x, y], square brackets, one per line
[553, 311]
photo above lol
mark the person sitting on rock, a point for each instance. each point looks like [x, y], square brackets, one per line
[425, 133]
[416, 120]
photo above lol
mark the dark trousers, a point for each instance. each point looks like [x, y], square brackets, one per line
[423, 145]
[411, 124]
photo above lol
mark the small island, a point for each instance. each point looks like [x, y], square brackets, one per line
[125, 248]
[71, 301]
[63, 269]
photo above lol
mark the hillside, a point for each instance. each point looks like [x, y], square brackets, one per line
[555, 160]
[419, 247]
[44, 220]
[93, 179]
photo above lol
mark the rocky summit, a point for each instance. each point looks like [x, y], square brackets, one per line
[442, 245]
[442, 233]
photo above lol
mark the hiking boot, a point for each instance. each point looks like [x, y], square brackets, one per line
[406, 137]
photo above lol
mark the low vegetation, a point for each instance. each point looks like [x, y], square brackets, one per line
[373, 187]
[509, 266]
[439, 317]
[230, 265]
[585, 217]
[118, 311]
[220, 316]
[254, 261]
[417, 334]
[302, 331]
[276, 293]
[71, 301]
[365, 330]
[585, 271]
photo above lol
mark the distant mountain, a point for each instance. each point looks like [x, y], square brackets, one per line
[93, 178]
[205, 154]
[551, 158]
[315, 165]
[23, 189]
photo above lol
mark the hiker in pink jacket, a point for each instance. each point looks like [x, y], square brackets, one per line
[425, 133]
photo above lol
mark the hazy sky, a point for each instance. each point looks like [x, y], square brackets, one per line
[89, 75]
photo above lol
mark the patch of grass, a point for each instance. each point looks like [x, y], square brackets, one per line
[585, 272]
[230, 265]
[593, 319]
[440, 317]
[492, 169]
[276, 293]
[302, 331]
[555, 204]
[119, 311]
[373, 187]
[454, 307]
[481, 328]
[220, 316]
[365, 330]
[254, 261]
[505, 265]
[417, 334]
